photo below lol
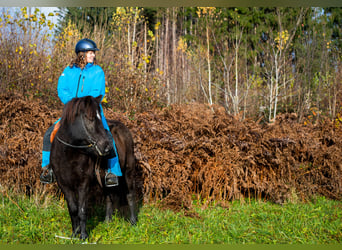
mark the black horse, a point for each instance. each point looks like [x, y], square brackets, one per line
[81, 144]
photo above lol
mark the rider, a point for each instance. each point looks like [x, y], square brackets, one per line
[83, 77]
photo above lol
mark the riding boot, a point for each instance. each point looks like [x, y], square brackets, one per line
[47, 177]
[111, 180]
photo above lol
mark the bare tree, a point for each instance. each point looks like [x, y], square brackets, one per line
[277, 53]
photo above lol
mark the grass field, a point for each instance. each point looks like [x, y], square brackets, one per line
[45, 219]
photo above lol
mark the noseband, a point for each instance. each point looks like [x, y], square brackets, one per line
[92, 144]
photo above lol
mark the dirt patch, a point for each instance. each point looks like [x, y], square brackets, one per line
[193, 150]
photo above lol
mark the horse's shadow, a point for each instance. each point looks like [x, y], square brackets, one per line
[97, 208]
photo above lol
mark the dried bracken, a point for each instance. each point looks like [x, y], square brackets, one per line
[22, 127]
[191, 150]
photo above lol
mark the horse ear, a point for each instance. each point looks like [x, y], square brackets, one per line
[99, 98]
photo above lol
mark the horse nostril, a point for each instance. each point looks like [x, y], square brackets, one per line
[107, 149]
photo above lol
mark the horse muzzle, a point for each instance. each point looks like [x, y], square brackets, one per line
[106, 152]
[105, 149]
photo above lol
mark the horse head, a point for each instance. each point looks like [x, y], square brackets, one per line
[82, 127]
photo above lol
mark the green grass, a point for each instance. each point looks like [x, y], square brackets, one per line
[40, 218]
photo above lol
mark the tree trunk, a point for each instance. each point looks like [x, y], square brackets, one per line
[209, 68]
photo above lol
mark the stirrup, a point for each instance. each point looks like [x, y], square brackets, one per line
[47, 177]
[115, 180]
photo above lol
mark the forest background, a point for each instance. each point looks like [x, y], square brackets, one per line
[255, 62]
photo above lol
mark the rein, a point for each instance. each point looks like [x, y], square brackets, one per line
[74, 146]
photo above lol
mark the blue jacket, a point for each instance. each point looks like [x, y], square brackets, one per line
[77, 82]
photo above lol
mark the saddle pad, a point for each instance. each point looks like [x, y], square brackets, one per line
[55, 129]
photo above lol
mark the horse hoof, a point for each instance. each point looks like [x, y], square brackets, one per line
[75, 235]
[133, 221]
[83, 236]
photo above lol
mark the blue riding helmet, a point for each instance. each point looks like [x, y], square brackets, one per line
[85, 45]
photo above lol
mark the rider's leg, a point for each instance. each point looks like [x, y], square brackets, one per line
[47, 175]
[113, 163]
[114, 169]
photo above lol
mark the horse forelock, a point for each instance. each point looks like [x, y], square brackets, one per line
[85, 105]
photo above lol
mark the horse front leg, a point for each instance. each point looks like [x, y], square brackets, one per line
[82, 212]
[73, 211]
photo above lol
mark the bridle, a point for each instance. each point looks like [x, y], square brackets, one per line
[92, 144]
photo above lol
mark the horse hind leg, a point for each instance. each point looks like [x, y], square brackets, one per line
[131, 203]
[129, 175]
[110, 198]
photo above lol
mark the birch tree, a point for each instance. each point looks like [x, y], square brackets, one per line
[277, 48]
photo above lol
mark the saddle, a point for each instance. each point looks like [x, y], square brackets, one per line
[54, 131]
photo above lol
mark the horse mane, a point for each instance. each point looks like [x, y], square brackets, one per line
[85, 105]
